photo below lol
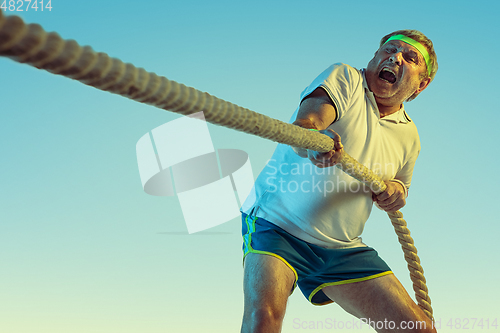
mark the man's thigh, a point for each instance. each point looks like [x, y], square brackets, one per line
[381, 300]
[268, 282]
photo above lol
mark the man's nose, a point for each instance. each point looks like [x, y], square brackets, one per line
[397, 58]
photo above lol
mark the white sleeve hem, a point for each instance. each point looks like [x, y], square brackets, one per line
[404, 186]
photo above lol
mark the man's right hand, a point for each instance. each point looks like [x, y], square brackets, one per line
[325, 160]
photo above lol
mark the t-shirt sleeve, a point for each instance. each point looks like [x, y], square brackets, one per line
[406, 172]
[340, 82]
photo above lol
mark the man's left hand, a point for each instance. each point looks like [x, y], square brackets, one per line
[393, 198]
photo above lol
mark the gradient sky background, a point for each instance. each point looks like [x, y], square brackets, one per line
[84, 249]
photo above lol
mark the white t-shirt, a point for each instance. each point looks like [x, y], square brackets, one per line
[325, 206]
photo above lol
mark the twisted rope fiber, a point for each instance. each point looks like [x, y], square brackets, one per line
[29, 43]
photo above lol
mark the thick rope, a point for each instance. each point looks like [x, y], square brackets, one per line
[32, 45]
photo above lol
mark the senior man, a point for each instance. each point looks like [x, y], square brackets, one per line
[303, 219]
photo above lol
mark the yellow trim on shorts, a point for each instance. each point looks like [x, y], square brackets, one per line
[370, 277]
[252, 250]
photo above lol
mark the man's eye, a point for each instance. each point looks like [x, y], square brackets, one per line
[412, 59]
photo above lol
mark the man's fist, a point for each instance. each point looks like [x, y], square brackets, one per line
[393, 198]
[324, 160]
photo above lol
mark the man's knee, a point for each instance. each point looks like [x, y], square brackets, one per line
[428, 329]
[263, 318]
[267, 314]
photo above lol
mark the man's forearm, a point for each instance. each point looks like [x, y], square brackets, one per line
[304, 123]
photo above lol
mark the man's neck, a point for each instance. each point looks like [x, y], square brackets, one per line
[385, 110]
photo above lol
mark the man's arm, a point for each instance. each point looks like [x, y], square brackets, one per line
[393, 198]
[318, 112]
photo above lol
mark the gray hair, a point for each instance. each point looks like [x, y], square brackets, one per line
[426, 42]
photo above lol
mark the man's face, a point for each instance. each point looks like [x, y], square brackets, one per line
[394, 73]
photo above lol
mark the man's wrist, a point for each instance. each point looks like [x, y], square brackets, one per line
[403, 185]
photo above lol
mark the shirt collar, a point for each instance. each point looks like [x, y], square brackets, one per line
[399, 116]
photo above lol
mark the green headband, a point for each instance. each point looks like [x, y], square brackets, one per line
[418, 46]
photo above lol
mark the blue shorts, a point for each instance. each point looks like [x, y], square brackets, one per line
[314, 267]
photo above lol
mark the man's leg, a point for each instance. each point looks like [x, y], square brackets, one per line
[384, 302]
[267, 285]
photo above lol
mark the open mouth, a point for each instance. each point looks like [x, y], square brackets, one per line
[388, 75]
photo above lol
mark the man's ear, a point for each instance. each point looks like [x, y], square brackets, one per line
[423, 84]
